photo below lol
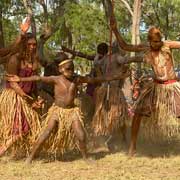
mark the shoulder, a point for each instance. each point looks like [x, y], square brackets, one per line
[166, 43]
[60, 77]
[166, 46]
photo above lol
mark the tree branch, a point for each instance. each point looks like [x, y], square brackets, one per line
[127, 6]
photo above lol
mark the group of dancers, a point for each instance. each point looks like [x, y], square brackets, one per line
[22, 130]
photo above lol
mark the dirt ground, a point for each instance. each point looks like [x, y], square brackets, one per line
[158, 161]
[154, 161]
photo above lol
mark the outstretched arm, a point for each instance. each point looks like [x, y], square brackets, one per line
[121, 42]
[79, 54]
[172, 44]
[46, 79]
[127, 60]
[101, 79]
[133, 59]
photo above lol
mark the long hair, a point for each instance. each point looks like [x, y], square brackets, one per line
[20, 47]
[23, 51]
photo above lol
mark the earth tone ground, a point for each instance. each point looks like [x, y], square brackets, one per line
[160, 161]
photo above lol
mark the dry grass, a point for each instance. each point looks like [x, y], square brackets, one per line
[153, 162]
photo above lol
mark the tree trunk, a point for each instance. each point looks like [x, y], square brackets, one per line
[135, 28]
[1, 29]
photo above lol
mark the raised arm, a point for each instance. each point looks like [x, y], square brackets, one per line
[79, 54]
[101, 79]
[5, 53]
[121, 42]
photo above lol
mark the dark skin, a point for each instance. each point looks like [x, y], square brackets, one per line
[65, 89]
[162, 65]
[13, 66]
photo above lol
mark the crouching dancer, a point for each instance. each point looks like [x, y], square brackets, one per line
[63, 112]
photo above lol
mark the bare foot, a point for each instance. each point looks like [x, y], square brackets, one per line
[28, 161]
[2, 151]
[132, 152]
[89, 160]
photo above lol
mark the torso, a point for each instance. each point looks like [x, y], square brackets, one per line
[162, 64]
[26, 69]
[64, 92]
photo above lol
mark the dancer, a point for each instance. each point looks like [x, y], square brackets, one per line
[158, 106]
[63, 112]
[19, 121]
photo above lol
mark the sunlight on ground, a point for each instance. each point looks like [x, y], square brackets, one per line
[153, 161]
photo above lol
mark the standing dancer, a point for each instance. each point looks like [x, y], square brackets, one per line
[111, 111]
[63, 112]
[19, 121]
[158, 107]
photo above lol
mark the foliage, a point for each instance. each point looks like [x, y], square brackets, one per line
[85, 22]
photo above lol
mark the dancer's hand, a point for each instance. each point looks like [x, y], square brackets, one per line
[12, 77]
[25, 25]
[38, 103]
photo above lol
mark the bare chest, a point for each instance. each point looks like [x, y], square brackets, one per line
[159, 60]
[65, 87]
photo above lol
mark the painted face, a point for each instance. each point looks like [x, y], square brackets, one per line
[67, 70]
[31, 45]
[156, 43]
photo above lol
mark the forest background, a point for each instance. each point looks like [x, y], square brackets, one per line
[82, 24]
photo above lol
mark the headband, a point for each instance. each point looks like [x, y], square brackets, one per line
[65, 61]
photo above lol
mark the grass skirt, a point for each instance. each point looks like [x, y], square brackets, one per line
[86, 105]
[159, 104]
[17, 118]
[109, 115]
[63, 138]
[48, 101]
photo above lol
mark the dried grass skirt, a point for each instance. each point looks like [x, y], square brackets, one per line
[159, 106]
[17, 118]
[63, 138]
[109, 115]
